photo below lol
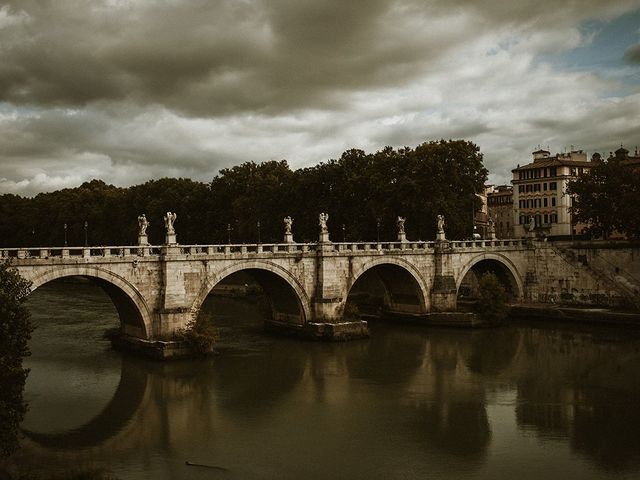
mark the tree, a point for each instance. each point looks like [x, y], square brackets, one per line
[606, 198]
[15, 332]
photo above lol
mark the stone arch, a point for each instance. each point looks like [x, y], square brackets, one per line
[259, 265]
[135, 315]
[517, 285]
[404, 268]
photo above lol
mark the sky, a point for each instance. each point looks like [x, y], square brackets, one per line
[131, 90]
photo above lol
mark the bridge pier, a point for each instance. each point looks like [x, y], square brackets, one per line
[444, 292]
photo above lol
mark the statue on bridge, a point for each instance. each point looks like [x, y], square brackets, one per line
[402, 237]
[323, 218]
[532, 224]
[440, 223]
[288, 222]
[324, 231]
[288, 235]
[143, 224]
[491, 228]
[169, 219]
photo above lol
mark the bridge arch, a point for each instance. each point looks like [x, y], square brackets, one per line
[135, 315]
[263, 272]
[405, 290]
[506, 269]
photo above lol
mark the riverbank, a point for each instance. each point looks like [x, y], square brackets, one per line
[554, 313]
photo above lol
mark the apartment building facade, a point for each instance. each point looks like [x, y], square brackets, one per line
[540, 191]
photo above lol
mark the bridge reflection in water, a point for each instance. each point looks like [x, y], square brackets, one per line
[407, 403]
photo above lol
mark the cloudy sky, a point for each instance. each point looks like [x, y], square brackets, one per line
[129, 90]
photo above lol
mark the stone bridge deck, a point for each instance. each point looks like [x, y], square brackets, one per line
[158, 289]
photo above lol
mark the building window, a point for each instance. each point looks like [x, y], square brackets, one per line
[553, 171]
[553, 186]
[521, 188]
[554, 218]
[544, 186]
[553, 201]
[545, 201]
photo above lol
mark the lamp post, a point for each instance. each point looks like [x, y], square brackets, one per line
[33, 236]
[65, 234]
[86, 236]
[259, 232]
[344, 233]
[228, 233]
[378, 230]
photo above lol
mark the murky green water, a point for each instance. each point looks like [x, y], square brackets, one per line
[517, 402]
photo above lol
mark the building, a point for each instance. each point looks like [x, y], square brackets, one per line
[539, 191]
[500, 208]
[622, 154]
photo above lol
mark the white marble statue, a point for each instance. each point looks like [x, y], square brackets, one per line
[532, 223]
[169, 219]
[288, 222]
[440, 224]
[323, 218]
[491, 225]
[143, 224]
[400, 223]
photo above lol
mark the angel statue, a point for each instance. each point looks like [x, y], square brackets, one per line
[440, 223]
[143, 224]
[288, 222]
[168, 222]
[322, 221]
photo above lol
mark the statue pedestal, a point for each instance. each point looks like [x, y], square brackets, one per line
[402, 237]
[171, 239]
[324, 237]
[440, 237]
[492, 236]
[142, 240]
[288, 238]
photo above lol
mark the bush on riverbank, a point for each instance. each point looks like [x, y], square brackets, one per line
[15, 332]
[492, 305]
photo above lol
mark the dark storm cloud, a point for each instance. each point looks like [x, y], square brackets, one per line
[127, 90]
[200, 58]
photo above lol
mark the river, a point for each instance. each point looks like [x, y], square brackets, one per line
[525, 401]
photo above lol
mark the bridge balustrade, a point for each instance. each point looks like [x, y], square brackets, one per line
[245, 249]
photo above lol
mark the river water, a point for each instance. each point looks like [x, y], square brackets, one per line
[524, 401]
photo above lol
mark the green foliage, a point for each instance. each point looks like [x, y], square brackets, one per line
[358, 190]
[607, 198]
[492, 305]
[15, 332]
[200, 336]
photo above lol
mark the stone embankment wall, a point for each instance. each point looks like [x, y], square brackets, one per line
[594, 273]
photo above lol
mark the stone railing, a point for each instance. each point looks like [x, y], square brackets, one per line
[516, 242]
[78, 252]
[246, 249]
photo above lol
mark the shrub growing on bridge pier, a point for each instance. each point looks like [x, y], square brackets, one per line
[492, 305]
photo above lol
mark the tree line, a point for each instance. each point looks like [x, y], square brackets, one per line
[363, 193]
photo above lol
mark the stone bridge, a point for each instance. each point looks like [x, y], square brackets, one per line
[159, 289]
